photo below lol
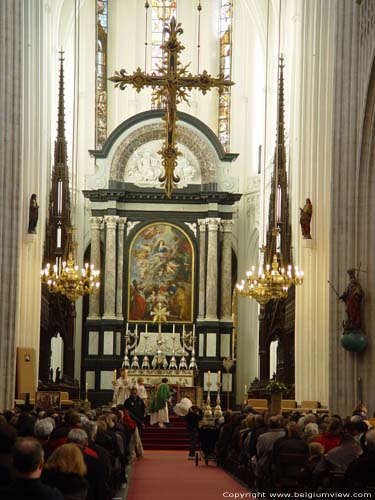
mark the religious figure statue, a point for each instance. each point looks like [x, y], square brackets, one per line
[353, 298]
[33, 214]
[305, 219]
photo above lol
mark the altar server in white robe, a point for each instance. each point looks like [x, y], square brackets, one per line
[141, 389]
[121, 388]
[182, 408]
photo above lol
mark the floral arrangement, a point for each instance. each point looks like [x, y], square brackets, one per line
[276, 386]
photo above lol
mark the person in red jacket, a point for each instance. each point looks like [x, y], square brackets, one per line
[331, 437]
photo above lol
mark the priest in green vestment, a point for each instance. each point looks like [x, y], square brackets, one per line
[159, 404]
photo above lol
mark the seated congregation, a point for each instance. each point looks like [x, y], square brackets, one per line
[66, 454]
[300, 452]
[77, 455]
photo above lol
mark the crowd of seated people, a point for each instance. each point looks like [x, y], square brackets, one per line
[299, 453]
[66, 454]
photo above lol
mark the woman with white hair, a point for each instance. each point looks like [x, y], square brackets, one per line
[311, 430]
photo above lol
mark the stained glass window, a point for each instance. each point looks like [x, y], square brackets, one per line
[162, 11]
[225, 32]
[101, 72]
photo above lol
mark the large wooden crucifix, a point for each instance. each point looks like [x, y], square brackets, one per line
[172, 85]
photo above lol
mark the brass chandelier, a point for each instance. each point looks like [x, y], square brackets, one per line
[274, 278]
[67, 279]
[271, 283]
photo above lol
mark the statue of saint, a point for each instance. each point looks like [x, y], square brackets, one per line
[353, 298]
[33, 214]
[305, 219]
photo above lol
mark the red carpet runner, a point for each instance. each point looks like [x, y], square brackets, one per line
[162, 475]
[173, 437]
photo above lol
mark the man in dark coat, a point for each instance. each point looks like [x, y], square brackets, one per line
[361, 472]
[135, 407]
[28, 461]
[193, 417]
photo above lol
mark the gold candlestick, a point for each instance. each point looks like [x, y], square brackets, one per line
[208, 409]
[228, 363]
[218, 412]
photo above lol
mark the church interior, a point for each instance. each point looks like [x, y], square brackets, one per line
[186, 195]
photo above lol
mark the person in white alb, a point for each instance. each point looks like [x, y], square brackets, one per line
[141, 389]
[121, 389]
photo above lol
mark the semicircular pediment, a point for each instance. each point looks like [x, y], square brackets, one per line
[136, 159]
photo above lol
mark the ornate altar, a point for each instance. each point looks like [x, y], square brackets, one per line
[151, 250]
[183, 378]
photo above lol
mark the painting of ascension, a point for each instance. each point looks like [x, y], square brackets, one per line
[161, 271]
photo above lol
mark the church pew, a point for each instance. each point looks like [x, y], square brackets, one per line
[260, 405]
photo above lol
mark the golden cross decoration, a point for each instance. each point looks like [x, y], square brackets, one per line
[172, 85]
[160, 314]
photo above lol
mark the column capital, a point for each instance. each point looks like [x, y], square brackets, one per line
[111, 221]
[226, 225]
[121, 222]
[213, 224]
[202, 225]
[95, 222]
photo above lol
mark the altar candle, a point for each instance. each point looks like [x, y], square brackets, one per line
[87, 386]
[219, 377]
[146, 327]
[174, 329]
[245, 389]
[114, 375]
[208, 376]
[193, 330]
[127, 327]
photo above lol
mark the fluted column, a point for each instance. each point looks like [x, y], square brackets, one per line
[202, 268]
[110, 267]
[212, 268]
[226, 271]
[94, 310]
[11, 207]
[120, 266]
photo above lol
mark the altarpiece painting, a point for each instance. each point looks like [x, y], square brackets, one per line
[161, 271]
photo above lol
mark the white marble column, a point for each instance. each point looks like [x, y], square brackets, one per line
[120, 266]
[310, 177]
[94, 312]
[11, 206]
[110, 267]
[202, 268]
[226, 271]
[212, 270]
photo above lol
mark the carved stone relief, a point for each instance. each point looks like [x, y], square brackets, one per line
[200, 153]
[144, 166]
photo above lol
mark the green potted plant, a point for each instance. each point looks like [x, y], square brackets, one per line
[276, 388]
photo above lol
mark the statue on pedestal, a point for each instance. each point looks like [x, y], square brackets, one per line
[33, 214]
[353, 338]
[305, 219]
[353, 298]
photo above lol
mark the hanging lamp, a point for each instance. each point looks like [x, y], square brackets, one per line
[274, 277]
